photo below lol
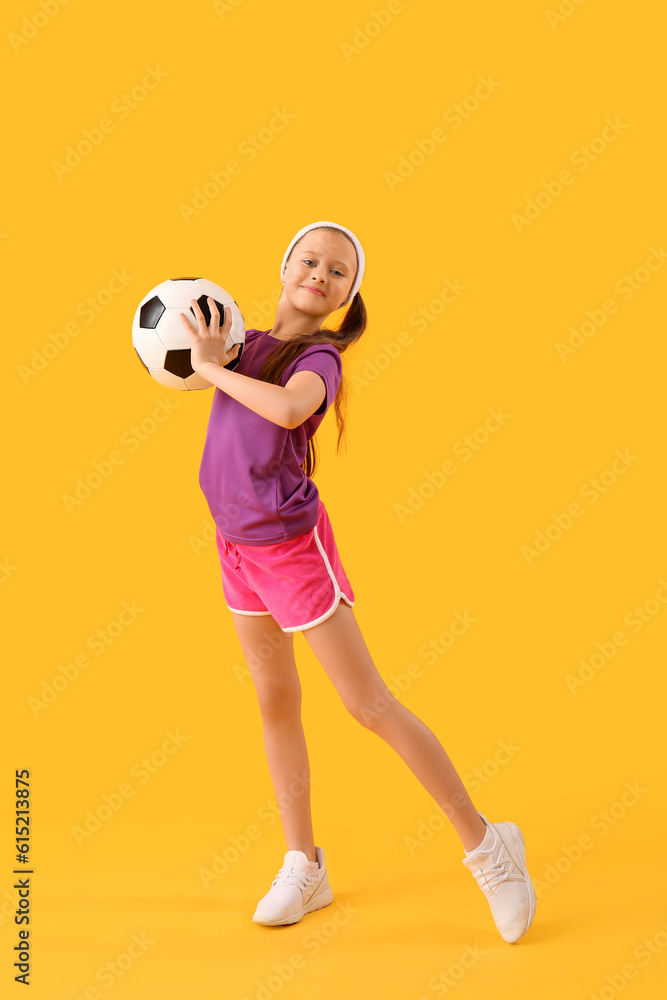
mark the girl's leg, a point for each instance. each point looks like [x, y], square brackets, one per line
[269, 654]
[340, 648]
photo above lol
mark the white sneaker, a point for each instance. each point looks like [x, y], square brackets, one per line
[502, 875]
[299, 887]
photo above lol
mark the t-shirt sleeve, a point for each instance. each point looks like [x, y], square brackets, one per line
[326, 361]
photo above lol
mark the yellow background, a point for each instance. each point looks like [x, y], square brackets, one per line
[362, 94]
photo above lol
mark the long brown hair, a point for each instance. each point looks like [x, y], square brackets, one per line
[350, 330]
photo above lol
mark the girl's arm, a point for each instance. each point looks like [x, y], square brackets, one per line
[287, 405]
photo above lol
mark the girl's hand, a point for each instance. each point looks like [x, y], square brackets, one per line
[208, 343]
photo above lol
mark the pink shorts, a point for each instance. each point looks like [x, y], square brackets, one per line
[299, 582]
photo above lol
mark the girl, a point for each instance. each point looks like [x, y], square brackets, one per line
[282, 573]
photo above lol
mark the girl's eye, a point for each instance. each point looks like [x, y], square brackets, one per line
[309, 261]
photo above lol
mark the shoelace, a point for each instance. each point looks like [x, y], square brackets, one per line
[291, 876]
[489, 878]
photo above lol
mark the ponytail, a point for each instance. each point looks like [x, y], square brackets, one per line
[350, 330]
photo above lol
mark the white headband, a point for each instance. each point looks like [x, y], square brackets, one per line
[357, 246]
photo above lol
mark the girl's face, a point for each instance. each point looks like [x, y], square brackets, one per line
[325, 261]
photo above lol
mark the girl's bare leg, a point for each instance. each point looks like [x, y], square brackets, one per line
[269, 654]
[340, 648]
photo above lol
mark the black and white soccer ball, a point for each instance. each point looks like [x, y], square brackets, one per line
[161, 340]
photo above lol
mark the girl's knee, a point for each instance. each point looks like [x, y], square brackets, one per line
[279, 702]
[372, 711]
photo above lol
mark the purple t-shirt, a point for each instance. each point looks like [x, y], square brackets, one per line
[251, 473]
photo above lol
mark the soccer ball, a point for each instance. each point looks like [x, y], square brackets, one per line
[161, 340]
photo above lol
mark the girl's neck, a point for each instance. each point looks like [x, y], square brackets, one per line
[294, 325]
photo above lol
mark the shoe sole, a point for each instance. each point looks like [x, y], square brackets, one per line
[512, 837]
[316, 902]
